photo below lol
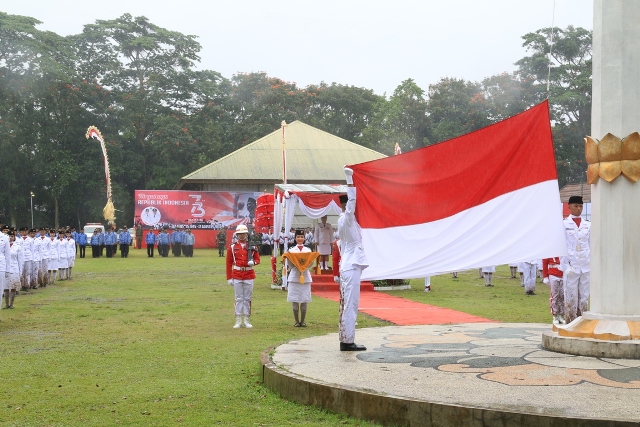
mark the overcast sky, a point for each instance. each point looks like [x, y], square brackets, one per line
[366, 43]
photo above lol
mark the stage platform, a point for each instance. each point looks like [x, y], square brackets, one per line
[469, 374]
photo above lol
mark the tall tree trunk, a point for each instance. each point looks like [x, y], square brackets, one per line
[56, 221]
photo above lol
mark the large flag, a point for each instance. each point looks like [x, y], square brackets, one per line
[486, 198]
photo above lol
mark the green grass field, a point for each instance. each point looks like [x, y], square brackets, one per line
[149, 342]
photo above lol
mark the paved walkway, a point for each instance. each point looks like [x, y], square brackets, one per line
[477, 374]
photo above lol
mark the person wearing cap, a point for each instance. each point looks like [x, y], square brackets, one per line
[63, 262]
[323, 236]
[221, 240]
[12, 282]
[188, 242]
[110, 239]
[576, 266]
[96, 242]
[71, 252]
[163, 243]
[241, 258]
[125, 241]
[54, 258]
[5, 260]
[150, 240]
[81, 240]
[299, 294]
[353, 260]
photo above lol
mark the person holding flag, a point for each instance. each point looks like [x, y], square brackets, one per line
[353, 261]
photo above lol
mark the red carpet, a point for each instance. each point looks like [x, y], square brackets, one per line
[399, 311]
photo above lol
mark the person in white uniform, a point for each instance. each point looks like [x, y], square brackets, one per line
[323, 236]
[5, 261]
[12, 283]
[487, 272]
[353, 261]
[529, 269]
[299, 294]
[576, 266]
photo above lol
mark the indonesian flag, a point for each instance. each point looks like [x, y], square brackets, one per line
[486, 198]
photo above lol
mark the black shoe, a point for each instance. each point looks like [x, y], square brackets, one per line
[351, 347]
[530, 293]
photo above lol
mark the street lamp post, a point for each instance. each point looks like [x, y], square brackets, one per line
[32, 209]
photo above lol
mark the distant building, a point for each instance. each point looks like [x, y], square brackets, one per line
[313, 157]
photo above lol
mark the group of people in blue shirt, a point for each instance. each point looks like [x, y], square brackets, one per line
[100, 241]
[181, 241]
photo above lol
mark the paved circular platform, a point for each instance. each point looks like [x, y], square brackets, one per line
[476, 374]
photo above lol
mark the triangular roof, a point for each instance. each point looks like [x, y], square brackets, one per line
[313, 156]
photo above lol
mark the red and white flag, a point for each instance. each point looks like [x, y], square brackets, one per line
[487, 198]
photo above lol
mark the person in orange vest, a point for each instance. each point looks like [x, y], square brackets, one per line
[241, 258]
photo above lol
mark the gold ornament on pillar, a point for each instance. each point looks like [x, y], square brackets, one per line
[612, 156]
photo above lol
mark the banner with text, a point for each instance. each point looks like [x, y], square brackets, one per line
[203, 211]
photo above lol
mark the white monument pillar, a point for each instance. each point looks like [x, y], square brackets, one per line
[611, 327]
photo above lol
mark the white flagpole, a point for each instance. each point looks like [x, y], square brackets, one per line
[284, 152]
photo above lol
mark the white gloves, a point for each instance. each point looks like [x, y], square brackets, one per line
[250, 263]
[545, 280]
[349, 174]
[230, 281]
[336, 279]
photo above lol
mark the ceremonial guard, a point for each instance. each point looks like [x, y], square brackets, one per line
[577, 264]
[63, 264]
[299, 291]
[12, 283]
[71, 253]
[552, 276]
[27, 248]
[353, 261]
[323, 236]
[241, 258]
[45, 251]
[221, 240]
[150, 241]
[5, 262]
[54, 259]
[125, 242]
[37, 260]
[189, 241]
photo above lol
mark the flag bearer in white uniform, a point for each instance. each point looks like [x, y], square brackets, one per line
[577, 265]
[299, 294]
[552, 276]
[353, 260]
[529, 269]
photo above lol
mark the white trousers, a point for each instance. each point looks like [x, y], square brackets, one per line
[349, 302]
[576, 293]
[529, 273]
[26, 273]
[3, 284]
[556, 297]
[243, 290]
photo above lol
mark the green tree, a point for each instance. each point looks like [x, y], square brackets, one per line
[402, 119]
[569, 91]
[456, 107]
[341, 110]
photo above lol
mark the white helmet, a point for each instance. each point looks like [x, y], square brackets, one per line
[242, 229]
